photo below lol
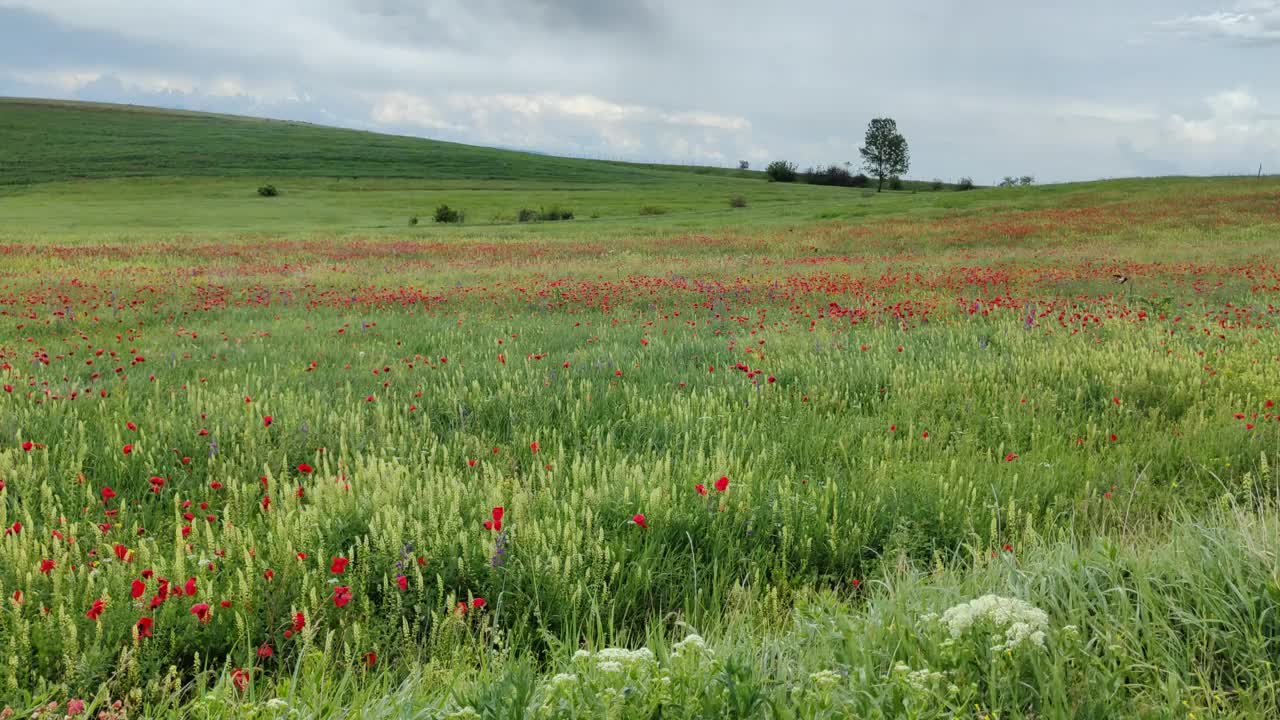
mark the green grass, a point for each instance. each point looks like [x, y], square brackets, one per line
[917, 400]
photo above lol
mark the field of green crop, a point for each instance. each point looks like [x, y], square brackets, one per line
[999, 454]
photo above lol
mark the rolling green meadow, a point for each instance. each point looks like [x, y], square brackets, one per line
[1007, 453]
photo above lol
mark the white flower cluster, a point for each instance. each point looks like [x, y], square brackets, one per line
[616, 660]
[1018, 621]
[690, 645]
[825, 679]
[562, 679]
[625, 656]
[920, 679]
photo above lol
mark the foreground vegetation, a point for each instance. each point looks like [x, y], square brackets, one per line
[979, 454]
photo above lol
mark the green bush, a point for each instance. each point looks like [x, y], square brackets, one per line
[446, 214]
[936, 185]
[895, 183]
[268, 191]
[781, 171]
[551, 214]
[413, 221]
[737, 201]
[966, 183]
[653, 210]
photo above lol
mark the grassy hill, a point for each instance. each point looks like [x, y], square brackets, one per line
[49, 140]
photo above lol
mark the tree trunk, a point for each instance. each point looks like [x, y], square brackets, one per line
[880, 188]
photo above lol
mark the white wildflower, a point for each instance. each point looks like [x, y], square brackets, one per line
[825, 679]
[562, 679]
[690, 644]
[610, 666]
[1017, 621]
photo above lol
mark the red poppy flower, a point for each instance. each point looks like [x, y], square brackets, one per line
[304, 468]
[1011, 457]
[46, 566]
[267, 420]
[122, 553]
[144, 625]
[269, 574]
[1007, 547]
[533, 446]
[702, 489]
[202, 612]
[189, 588]
[478, 603]
[130, 425]
[339, 565]
[240, 679]
[95, 611]
[27, 445]
[128, 448]
[341, 596]
[371, 659]
[403, 582]
[137, 588]
[722, 484]
[264, 651]
[225, 604]
[496, 522]
[1114, 438]
[14, 529]
[638, 519]
[299, 622]
[107, 494]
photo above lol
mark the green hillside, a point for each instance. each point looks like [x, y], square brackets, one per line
[50, 140]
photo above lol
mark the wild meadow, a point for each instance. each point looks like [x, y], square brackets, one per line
[900, 457]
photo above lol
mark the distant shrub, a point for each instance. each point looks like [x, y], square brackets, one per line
[1009, 181]
[737, 201]
[936, 185]
[831, 175]
[895, 183]
[744, 165]
[1027, 180]
[966, 183]
[446, 214]
[553, 213]
[413, 221]
[653, 210]
[781, 171]
[861, 180]
[268, 191]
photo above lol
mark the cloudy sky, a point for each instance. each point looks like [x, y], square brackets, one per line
[1059, 90]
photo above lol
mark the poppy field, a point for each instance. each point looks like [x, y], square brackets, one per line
[1005, 456]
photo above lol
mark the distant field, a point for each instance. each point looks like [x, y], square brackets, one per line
[997, 454]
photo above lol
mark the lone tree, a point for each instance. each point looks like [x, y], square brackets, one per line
[885, 154]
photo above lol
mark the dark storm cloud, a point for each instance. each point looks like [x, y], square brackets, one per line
[1059, 90]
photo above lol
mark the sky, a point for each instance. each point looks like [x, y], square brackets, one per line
[1058, 90]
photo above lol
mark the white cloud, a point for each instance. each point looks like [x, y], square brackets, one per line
[406, 110]
[1256, 22]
